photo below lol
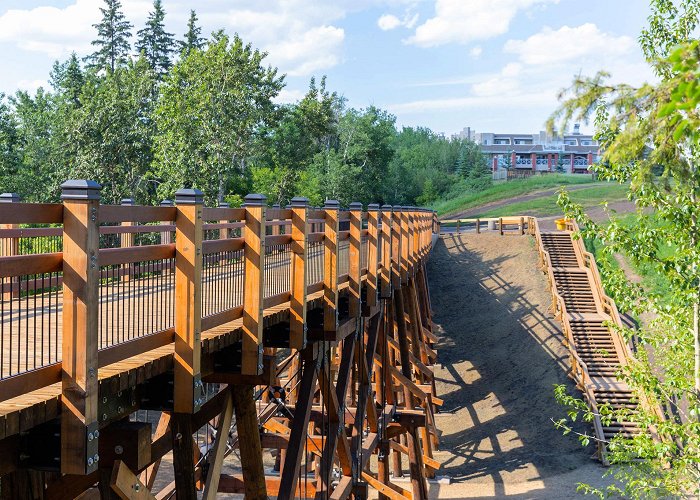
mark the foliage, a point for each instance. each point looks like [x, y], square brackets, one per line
[210, 106]
[651, 139]
[113, 34]
[193, 39]
[154, 43]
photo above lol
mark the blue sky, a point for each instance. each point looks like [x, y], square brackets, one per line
[493, 65]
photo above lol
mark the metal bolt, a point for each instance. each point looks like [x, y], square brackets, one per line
[118, 449]
[97, 434]
[104, 399]
[90, 436]
[137, 487]
[104, 416]
[89, 462]
[120, 409]
[96, 458]
[91, 372]
[119, 394]
[178, 436]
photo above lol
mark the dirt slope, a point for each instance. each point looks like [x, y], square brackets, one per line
[501, 354]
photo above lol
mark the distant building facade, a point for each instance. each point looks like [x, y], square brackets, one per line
[541, 152]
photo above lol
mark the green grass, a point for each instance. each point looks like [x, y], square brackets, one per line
[510, 189]
[541, 207]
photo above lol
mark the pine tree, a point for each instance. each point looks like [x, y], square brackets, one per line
[192, 39]
[112, 42]
[67, 79]
[154, 42]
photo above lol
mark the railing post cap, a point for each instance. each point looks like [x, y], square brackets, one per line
[224, 204]
[189, 196]
[299, 202]
[10, 198]
[127, 201]
[80, 189]
[167, 203]
[355, 205]
[373, 207]
[255, 200]
[332, 204]
[275, 205]
[387, 208]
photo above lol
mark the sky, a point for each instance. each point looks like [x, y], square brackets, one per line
[491, 65]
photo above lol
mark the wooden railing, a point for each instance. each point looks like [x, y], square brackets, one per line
[579, 368]
[110, 282]
[500, 224]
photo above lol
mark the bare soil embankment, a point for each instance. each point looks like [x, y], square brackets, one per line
[501, 354]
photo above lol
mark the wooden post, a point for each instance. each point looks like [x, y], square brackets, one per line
[354, 264]
[254, 253]
[126, 240]
[9, 247]
[250, 448]
[224, 233]
[166, 236]
[299, 431]
[81, 277]
[188, 300]
[297, 308]
[330, 267]
[183, 455]
[372, 254]
[386, 259]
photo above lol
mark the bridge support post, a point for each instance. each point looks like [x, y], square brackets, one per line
[81, 276]
[188, 301]
[254, 288]
[298, 272]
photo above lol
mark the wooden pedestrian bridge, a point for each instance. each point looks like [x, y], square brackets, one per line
[283, 352]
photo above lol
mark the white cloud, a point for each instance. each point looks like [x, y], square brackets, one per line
[475, 52]
[287, 96]
[569, 44]
[51, 30]
[31, 86]
[310, 51]
[388, 22]
[460, 21]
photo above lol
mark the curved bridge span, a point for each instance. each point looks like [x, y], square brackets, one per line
[300, 331]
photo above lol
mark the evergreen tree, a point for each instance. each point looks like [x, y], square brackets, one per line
[112, 42]
[154, 42]
[67, 79]
[192, 39]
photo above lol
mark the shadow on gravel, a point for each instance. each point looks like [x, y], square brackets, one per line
[501, 354]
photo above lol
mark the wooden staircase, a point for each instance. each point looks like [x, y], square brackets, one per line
[597, 352]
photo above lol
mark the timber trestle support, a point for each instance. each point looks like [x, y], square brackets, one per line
[265, 351]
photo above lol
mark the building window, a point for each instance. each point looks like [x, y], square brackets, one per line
[570, 142]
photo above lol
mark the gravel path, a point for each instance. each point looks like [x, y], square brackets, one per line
[501, 354]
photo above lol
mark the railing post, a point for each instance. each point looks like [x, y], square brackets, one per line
[126, 240]
[254, 290]
[397, 248]
[354, 257]
[166, 236]
[81, 276]
[330, 266]
[402, 219]
[224, 233]
[372, 254]
[297, 309]
[275, 229]
[9, 247]
[188, 300]
[386, 258]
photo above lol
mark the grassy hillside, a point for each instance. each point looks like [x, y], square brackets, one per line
[547, 205]
[506, 190]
